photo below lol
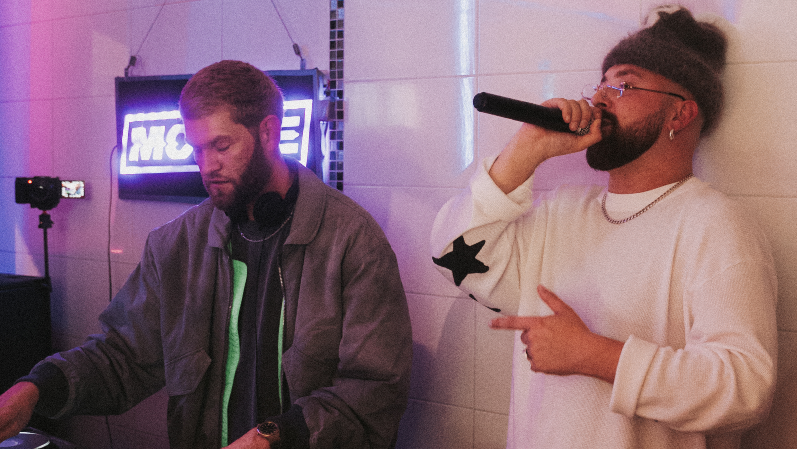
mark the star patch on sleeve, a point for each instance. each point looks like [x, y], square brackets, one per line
[494, 309]
[462, 260]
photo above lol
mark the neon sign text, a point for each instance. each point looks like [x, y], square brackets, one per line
[154, 142]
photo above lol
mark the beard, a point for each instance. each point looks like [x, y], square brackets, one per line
[253, 180]
[620, 146]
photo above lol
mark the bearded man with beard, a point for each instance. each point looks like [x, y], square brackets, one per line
[645, 309]
[272, 313]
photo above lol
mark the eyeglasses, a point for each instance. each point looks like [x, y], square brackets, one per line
[591, 91]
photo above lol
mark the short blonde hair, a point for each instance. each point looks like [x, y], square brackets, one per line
[250, 93]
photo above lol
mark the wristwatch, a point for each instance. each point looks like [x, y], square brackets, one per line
[270, 431]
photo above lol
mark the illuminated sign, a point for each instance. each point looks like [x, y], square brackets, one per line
[154, 142]
[295, 135]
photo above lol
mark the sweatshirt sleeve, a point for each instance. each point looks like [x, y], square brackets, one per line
[724, 377]
[477, 238]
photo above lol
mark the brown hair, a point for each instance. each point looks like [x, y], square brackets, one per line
[251, 94]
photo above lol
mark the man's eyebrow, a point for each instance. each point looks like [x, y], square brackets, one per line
[623, 73]
[213, 142]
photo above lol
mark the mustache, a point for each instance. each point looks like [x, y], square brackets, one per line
[608, 118]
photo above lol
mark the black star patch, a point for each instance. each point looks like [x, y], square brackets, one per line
[462, 260]
[494, 309]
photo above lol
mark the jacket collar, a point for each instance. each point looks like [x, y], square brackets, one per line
[309, 207]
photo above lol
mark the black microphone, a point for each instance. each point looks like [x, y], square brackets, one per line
[544, 117]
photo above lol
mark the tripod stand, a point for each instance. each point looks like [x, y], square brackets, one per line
[45, 223]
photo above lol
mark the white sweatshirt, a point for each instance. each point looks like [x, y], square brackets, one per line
[689, 286]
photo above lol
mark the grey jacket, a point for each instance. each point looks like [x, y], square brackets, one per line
[347, 328]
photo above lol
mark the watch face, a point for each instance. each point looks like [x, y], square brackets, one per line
[268, 429]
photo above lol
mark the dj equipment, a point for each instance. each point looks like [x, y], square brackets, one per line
[25, 339]
[27, 440]
[25, 335]
[31, 438]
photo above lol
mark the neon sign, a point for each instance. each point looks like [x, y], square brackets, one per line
[154, 142]
[295, 135]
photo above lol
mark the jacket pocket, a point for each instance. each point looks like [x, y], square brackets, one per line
[184, 373]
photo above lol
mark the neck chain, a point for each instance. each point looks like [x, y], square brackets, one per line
[645, 209]
[287, 219]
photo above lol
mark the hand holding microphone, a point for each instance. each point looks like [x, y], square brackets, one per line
[544, 117]
[528, 148]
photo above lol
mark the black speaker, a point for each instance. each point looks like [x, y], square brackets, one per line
[25, 328]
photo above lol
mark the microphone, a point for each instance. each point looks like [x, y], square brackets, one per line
[544, 117]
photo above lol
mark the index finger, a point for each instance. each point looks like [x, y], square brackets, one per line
[571, 110]
[512, 322]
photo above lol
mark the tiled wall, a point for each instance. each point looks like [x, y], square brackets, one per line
[412, 137]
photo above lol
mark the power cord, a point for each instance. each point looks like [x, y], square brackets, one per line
[296, 49]
[134, 57]
[110, 211]
[110, 270]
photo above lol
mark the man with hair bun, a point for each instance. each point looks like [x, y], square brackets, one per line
[646, 308]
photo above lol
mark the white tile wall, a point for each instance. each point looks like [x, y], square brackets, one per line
[406, 215]
[29, 127]
[443, 350]
[88, 52]
[80, 293]
[751, 152]
[411, 139]
[257, 35]
[418, 132]
[528, 37]
[430, 424]
[409, 39]
[776, 215]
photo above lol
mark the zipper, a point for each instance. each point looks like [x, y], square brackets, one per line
[281, 336]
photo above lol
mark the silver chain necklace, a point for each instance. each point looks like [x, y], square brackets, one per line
[287, 219]
[645, 209]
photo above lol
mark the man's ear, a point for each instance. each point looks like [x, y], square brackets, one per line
[685, 113]
[270, 129]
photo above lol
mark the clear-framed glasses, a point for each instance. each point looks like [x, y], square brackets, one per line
[614, 92]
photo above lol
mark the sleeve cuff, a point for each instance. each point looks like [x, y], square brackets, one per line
[53, 388]
[496, 203]
[294, 433]
[635, 360]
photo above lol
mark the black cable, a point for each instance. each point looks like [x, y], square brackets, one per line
[108, 426]
[134, 56]
[110, 211]
[150, 27]
[296, 48]
[110, 270]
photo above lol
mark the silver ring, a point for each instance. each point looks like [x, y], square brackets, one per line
[582, 131]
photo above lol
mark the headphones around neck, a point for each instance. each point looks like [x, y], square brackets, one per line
[271, 209]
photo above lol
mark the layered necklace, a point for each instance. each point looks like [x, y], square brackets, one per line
[240, 231]
[645, 209]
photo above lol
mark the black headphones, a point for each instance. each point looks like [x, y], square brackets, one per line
[271, 209]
